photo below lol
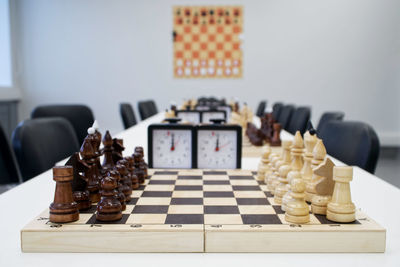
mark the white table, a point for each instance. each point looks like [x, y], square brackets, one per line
[20, 205]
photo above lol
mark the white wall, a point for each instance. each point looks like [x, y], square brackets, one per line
[331, 55]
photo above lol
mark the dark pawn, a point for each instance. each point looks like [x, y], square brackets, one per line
[63, 209]
[138, 171]
[142, 164]
[119, 194]
[117, 149]
[276, 138]
[108, 162]
[141, 151]
[131, 169]
[92, 174]
[126, 181]
[79, 185]
[109, 208]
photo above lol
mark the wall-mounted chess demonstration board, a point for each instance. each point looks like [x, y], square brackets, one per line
[207, 41]
[202, 211]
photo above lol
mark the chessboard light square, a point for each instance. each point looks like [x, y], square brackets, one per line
[164, 177]
[272, 201]
[152, 187]
[203, 38]
[264, 187]
[136, 193]
[147, 218]
[243, 182]
[215, 177]
[240, 172]
[219, 201]
[190, 172]
[217, 188]
[185, 209]
[154, 201]
[222, 219]
[188, 182]
[83, 218]
[249, 194]
[128, 209]
[187, 194]
[256, 209]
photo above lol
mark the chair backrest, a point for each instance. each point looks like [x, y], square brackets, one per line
[80, 116]
[354, 143]
[40, 143]
[261, 108]
[146, 109]
[127, 115]
[328, 116]
[276, 110]
[285, 115]
[9, 169]
[299, 120]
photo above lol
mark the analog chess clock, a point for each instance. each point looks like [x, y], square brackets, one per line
[171, 145]
[219, 146]
[192, 116]
[207, 116]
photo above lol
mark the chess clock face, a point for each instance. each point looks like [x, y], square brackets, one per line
[192, 116]
[219, 146]
[227, 110]
[206, 116]
[171, 146]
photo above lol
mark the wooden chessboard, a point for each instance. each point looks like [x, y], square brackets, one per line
[207, 41]
[251, 151]
[202, 211]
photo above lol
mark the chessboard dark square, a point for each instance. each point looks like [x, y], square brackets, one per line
[261, 219]
[186, 201]
[323, 220]
[156, 194]
[165, 173]
[246, 188]
[162, 182]
[184, 219]
[93, 220]
[133, 201]
[214, 173]
[221, 210]
[92, 209]
[252, 201]
[278, 210]
[188, 187]
[268, 194]
[241, 177]
[141, 187]
[189, 177]
[156, 209]
[218, 194]
[254, 173]
[261, 182]
[211, 182]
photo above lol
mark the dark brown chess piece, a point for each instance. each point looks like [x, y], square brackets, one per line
[119, 194]
[117, 149]
[63, 209]
[108, 162]
[276, 138]
[143, 164]
[131, 169]
[92, 174]
[79, 184]
[138, 171]
[126, 181]
[96, 144]
[109, 208]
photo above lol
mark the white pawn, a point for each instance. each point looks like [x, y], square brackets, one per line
[341, 209]
[281, 188]
[263, 166]
[297, 210]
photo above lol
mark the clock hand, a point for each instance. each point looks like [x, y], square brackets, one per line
[172, 142]
[217, 143]
[224, 145]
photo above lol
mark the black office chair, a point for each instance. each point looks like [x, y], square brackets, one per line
[261, 108]
[9, 169]
[127, 115]
[80, 116]
[328, 116]
[146, 109]
[354, 143]
[40, 143]
[276, 110]
[285, 116]
[299, 120]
